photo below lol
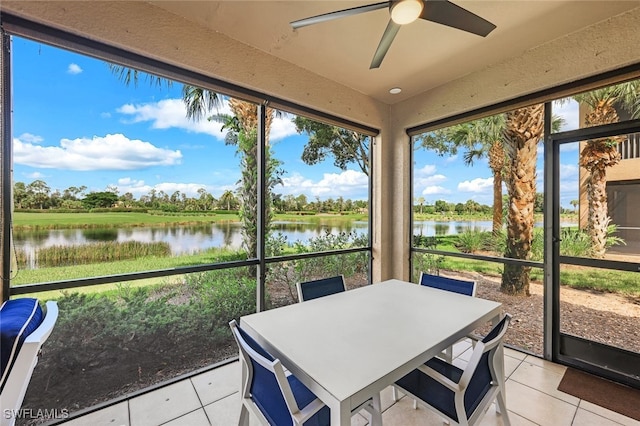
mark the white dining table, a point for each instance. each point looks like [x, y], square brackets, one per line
[349, 346]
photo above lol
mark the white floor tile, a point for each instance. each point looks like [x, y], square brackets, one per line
[532, 399]
[115, 415]
[587, 418]
[403, 414]
[542, 379]
[510, 365]
[608, 414]
[217, 384]
[194, 418]
[164, 404]
[492, 418]
[226, 411]
[540, 362]
[515, 354]
[537, 406]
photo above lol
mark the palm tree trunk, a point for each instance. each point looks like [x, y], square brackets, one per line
[496, 163]
[598, 217]
[522, 132]
[597, 156]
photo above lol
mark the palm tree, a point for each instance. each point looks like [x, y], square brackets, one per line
[600, 154]
[242, 128]
[522, 132]
[227, 199]
[484, 137]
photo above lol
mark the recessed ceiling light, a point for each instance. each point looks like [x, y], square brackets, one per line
[395, 90]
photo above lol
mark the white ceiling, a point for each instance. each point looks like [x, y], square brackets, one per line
[424, 54]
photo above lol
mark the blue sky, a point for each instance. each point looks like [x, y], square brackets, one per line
[75, 123]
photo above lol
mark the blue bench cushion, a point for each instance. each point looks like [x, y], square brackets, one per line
[18, 319]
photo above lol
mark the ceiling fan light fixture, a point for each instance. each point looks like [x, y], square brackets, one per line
[406, 11]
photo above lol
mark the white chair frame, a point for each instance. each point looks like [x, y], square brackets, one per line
[496, 392]
[18, 379]
[298, 416]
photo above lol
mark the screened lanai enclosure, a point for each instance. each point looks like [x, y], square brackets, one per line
[169, 166]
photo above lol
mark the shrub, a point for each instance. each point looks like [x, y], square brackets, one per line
[471, 241]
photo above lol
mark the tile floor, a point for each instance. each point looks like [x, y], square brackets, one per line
[212, 398]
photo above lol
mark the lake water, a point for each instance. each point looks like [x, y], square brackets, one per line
[181, 239]
[191, 239]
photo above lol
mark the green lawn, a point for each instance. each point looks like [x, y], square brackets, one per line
[111, 220]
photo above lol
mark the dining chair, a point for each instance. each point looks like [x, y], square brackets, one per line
[467, 288]
[24, 327]
[309, 290]
[275, 396]
[462, 396]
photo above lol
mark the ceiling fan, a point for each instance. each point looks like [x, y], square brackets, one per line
[406, 11]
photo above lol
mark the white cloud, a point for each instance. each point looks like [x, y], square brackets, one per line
[172, 113]
[347, 184]
[29, 138]
[282, 127]
[451, 159]
[139, 187]
[426, 182]
[434, 190]
[568, 171]
[569, 111]
[426, 170]
[429, 180]
[476, 185]
[110, 152]
[74, 69]
[35, 175]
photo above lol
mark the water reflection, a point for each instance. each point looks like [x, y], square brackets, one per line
[181, 239]
[430, 228]
[192, 239]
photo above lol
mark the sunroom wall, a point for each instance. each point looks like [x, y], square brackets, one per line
[152, 32]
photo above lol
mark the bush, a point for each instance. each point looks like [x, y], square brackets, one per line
[471, 241]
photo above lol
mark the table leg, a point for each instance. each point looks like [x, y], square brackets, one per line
[376, 416]
[499, 366]
[341, 416]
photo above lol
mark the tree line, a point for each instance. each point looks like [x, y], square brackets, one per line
[37, 195]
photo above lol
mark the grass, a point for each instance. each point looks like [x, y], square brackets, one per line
[622, 282]
[150, 263]
[22, 220]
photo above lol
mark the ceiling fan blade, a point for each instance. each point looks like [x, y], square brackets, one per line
[446, 13]
[338, 14]
[385, 43]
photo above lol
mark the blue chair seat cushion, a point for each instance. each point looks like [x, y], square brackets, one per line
[432, 391]
[18, 319]
[304, 397]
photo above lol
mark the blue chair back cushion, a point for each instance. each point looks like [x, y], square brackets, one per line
[267, 395]
[441, 397]
[323, 287]
[18, 319]
[448, 284]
